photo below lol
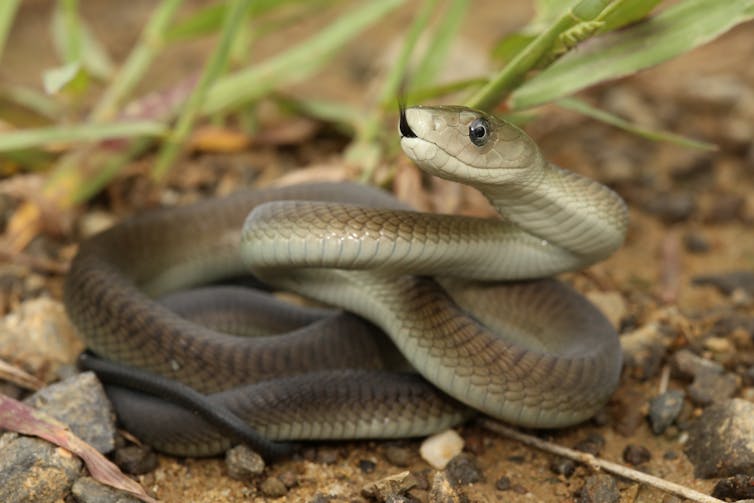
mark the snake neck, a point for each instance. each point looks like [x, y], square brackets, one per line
[562, 208]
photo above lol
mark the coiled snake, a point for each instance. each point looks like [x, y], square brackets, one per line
[531, 352]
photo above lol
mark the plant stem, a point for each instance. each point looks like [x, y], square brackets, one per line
[8, 10]
[131, 72]
[215, 66]
[514, 72]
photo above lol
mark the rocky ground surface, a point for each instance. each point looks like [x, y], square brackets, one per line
[680, 292]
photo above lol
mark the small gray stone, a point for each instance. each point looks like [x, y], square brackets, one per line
[689, 365]
[88, 490]
[503, 484]
[671, 207]
[39, 334]
[695, 243]
[728, 282]
[720, 440]
[136, 459]
[33, 469]
[442, 490]
[664, 409]
[636, 454]
[81, 403]
[273, 487]
[563, 466]
[735, 488]
[600, 488]
[592, 444]
[463, 470]
[389, 487]
[367, 466]
[712, 387]
[243, 463]
[398, 456]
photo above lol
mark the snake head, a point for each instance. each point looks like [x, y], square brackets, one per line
[463, 144]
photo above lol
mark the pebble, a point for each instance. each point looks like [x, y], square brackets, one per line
[728, 282]
[592, 444]
[644, 349]
[719, 345]
[398, 456]
[463, 470]
[135, 459]
[664, 409]
[273, 487]
[737, 487]
[671, 207]
[80, 402]
[600, 488]
[88, 490]
[439, 449]
[719, 441]
[443, 491]
[689, 365]
[39, 335]
[389, 487]
[712, 387]
[289, 478]
[503, 484]
[32, 469]
[695, 243]
[243, 463]
[636, 454]
[563, 466]
[670, 455]
[367, 466]
[93, 222]
[327, 456]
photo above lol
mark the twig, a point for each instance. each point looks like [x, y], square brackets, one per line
[671, 268]
[598, 464]
[18, 377]
[39, 264]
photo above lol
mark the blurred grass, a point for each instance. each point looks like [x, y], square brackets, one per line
[539, 66]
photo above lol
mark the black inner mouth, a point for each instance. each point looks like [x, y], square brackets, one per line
[405, 129]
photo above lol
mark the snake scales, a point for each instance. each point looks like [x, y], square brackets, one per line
[531, 351]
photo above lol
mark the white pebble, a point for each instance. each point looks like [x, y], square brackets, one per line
[440, 448]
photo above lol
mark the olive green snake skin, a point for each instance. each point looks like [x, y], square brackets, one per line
[466, 301]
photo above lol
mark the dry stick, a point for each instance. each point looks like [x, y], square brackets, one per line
[598, 464]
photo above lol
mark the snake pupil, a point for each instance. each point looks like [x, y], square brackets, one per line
[478, 132]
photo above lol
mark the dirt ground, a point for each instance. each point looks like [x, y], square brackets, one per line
[691, 214]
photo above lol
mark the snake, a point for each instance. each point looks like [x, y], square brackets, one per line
[421, 319]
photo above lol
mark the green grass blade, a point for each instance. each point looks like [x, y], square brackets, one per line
[295, 64]
[214, 68]
[651, 134]
[8, 9]
[514, 72]
[74, 133]
[438, 48]
[128, 76]
[674, 31]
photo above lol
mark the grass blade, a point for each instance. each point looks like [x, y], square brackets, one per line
[215, 66]
[297, 63]
[674, 31]
[8, 9]
[515, 71]
[651, 134]
[39, 137]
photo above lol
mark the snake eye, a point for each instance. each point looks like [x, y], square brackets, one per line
[479, 132]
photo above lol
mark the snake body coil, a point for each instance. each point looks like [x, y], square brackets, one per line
[533, 353]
